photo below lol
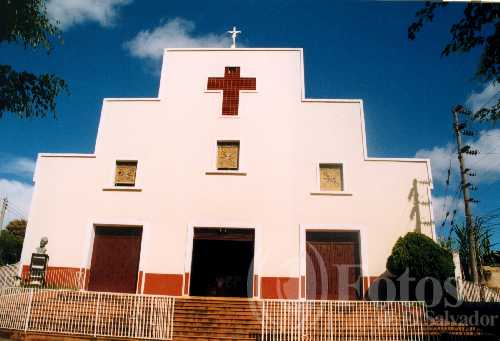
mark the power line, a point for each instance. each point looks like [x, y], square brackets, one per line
[14, 206]
[16, 213]
[14, 210]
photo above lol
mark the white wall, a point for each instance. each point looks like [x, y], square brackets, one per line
[283, 138]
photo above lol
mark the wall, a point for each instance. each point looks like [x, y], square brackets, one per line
[283, 137]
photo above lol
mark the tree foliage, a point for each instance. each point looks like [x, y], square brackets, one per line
[10, 248]
[478, 28]
[26, 21]
[23, 93]
[483, 236]
[421, 257]
[17, 227]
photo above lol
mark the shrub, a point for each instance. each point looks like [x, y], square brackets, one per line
[422, 257]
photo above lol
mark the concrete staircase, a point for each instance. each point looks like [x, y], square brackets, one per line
[206, 318]
[217, 319]
[202, 318]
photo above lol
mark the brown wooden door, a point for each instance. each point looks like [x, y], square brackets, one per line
[115, 259]
[332, 266]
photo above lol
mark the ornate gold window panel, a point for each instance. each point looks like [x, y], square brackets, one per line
[228, 155]
[125, 173]
[331, 177]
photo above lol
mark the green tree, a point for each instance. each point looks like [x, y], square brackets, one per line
[421, 257]
[10, 248]
[21, 92]
[483, 235]
[478, 28]
[17, 227]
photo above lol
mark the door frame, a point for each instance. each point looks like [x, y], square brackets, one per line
[304, 228]
[188, 258]
[89, 245]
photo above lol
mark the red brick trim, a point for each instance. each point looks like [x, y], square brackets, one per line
[231, 84]
[280, 287]
[163, 284]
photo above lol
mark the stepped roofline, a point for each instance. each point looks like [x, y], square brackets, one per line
[299, 49]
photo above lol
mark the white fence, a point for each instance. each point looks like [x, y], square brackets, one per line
[8, 275]
[471, 292]
[87, 313]
[284, 320]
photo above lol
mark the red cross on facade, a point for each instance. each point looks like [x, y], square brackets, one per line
[231, 84]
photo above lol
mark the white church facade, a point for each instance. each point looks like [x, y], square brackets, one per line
[230, 183]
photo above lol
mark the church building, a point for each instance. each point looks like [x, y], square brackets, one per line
[232, 182]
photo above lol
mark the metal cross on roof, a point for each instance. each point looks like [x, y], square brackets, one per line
[234, 34]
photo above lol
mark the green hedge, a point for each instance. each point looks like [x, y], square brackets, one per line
[422, 257]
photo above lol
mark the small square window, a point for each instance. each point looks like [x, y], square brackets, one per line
[228, 155]
[331, 177]
[125, 173]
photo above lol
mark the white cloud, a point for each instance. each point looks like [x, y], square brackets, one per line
[19, 196]
[20, 166]
[178, 32]
[440, 160]
[486, 165]
[72, 12]
[477, 100]
[440, 205]
[448, 203]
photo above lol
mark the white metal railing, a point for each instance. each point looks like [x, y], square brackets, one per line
[8, 275]
[87, 313]
[471, 292]
[286, 320]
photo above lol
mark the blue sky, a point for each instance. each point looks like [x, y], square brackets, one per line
[352, 49]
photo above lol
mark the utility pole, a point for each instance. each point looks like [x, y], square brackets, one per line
[465, 189]
[3, 209]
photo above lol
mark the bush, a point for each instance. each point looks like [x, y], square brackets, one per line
[422, 257]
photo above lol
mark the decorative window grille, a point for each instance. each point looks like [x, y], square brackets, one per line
[331, 177]
[228, 155]
[125, 173]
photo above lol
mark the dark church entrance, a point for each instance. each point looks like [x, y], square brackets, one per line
[115, 259]
[222, 263]
[333, 265]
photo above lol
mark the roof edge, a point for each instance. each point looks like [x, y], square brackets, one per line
[332, 100]
[72, 155]
[298, 49]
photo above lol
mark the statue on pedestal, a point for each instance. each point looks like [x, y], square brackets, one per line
[42, 249]
[38, 264]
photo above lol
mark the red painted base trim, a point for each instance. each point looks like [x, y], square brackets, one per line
[367, 282]
[279, 287]
[186, 283]
[255, 285]
[58, 276]
[87, 279]
[139, 283]
[163, 284]
[302, 286]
